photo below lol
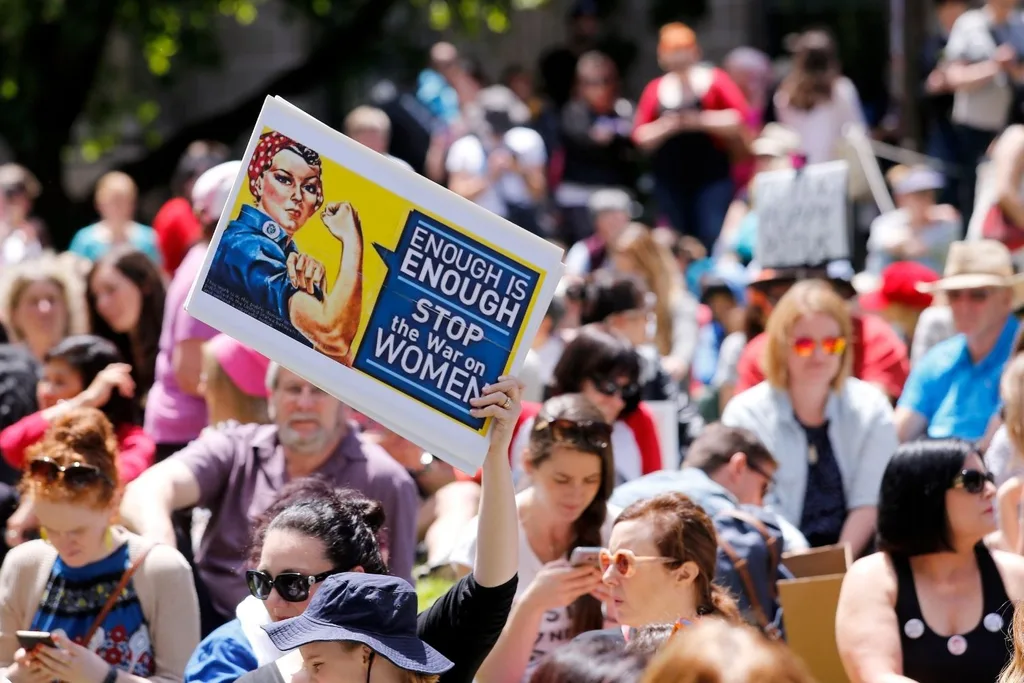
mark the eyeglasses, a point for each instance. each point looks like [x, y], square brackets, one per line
[973, 481]
[833, 346]
[76, 475]
[610, 387]
[975, 295]
[597, 435]
[291, 586]
[756, 469]
[625, 561]
[596, 82]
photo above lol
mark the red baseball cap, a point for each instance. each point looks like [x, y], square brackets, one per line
[899, 286]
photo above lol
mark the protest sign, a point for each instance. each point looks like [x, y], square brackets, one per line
[802, 216]
[382, 288]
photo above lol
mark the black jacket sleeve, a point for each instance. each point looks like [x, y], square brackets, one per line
[464, 624]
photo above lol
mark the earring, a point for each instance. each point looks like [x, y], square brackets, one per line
[108, 539]
[44, 536]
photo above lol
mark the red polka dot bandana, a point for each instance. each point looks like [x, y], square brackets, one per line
[263, 158]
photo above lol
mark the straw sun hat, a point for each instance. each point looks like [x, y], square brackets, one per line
[975, 265]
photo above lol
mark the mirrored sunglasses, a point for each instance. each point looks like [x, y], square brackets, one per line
[832, 346]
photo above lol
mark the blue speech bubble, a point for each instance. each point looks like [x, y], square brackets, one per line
[447, 317]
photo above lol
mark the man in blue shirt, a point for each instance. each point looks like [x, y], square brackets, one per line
[953, 391]
[725, 467]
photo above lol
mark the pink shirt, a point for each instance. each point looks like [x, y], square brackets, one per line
[172, 416]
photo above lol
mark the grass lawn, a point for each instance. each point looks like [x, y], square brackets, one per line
[430, 589]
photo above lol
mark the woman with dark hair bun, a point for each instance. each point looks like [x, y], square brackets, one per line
[312, 529]
[314, 532]
[935, 510]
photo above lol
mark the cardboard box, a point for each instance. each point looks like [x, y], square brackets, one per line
[809, 608]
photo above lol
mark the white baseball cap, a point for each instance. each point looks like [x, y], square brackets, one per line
[211, 189]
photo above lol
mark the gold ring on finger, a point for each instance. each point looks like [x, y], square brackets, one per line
[508, 403]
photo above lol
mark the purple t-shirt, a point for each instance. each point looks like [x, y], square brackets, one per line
[172, 416]
[240, 470]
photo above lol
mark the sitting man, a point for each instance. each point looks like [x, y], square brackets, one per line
[725, 467]
[953, 391]
[237, 471]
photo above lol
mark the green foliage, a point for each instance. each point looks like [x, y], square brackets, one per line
[687, 11]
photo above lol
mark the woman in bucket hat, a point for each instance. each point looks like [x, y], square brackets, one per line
[358, 623]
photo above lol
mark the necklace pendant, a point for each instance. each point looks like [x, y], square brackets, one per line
[812, 454]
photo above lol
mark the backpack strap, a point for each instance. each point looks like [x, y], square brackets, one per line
[740, 565]
[770, 541]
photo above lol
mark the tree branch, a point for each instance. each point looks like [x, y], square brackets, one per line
[323, 62]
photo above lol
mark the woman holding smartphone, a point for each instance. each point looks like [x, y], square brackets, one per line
[569, 461]
[118, 609]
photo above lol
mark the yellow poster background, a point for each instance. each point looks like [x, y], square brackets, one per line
[382, 214]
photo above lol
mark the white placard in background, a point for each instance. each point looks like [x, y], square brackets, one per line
[802, 216]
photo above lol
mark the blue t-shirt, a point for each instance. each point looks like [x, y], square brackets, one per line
[74, 597]
[89, 243]
[250, 271]
[224, 656]
[957, 396]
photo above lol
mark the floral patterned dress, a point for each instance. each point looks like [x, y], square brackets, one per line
[73, 599]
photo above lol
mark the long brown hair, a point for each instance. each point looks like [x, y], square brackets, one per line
[815, 71]
[585, 612]
[658, 268]
[684, 532]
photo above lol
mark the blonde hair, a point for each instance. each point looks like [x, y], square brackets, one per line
[224, 400]
[48, 268]
[715, 651]
[1014, 671]
[657, 267]
[804, 298]
[116, 181]
[367, 118]
[1011, 391]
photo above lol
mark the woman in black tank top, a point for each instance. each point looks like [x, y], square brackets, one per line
[935, 605]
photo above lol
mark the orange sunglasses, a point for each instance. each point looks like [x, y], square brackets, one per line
[833, 346]
[625, 561]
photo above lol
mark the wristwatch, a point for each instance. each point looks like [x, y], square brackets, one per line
[111, 676]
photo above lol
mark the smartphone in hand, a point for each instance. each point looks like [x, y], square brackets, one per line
[586, 556]
[30, 640]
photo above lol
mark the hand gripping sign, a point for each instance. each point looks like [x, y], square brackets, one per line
[382, 288]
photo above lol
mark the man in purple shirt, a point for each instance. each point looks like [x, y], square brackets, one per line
[237, 471]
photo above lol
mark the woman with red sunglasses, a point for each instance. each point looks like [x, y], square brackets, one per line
[832, 434]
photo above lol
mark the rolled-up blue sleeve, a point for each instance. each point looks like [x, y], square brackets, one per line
[254, 267]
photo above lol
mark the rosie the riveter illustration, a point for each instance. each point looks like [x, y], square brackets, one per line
[259, 270]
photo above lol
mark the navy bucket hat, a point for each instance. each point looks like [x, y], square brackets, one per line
[377, 611]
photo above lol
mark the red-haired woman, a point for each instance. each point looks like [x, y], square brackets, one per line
[690, 120]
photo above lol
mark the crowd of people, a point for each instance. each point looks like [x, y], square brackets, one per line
[177, 507]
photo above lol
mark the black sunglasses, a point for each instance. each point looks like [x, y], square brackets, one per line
[291, 586]
[76, 475]
[597, 435]
[973, 481]
[610, 387]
